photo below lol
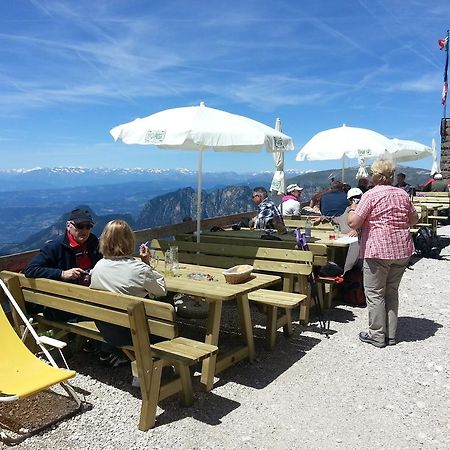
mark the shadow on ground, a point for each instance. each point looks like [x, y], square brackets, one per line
[412, 329]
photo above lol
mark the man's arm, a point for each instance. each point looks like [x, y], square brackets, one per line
[43, 265]
[354, 221]
[413, 217]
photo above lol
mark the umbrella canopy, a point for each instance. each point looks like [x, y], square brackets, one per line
[405, 150]
[202, 128]
[342, 142]
[337, 143]
[278, 185]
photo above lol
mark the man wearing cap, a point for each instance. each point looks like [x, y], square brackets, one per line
[439, 184]
[69, 258]
[290, 203]
[268, 215]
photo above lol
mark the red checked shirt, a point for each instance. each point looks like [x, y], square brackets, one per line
[385, 231]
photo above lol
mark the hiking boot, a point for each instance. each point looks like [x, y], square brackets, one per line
[113, 359]
[390, 341]
[90, 346]
[364, 337]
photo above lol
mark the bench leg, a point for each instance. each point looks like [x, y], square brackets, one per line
[271, 327]
[150, 386]
[305, 306]
[186, 394]
[287, 327]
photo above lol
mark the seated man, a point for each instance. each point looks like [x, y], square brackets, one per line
[290, 203]
[334, 202]
[402, 184]
[439, 184]
[268, 214]
[68, 258]
[363, 184]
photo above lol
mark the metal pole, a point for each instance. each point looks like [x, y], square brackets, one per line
[446, 76]
[199, 193]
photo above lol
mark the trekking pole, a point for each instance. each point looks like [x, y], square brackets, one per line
[302, 244]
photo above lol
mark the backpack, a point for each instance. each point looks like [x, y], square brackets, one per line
[426, 244]
[352, 287]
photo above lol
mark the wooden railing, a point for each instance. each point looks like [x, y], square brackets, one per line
[16, 262]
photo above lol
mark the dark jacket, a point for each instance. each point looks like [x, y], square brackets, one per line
[333, 203]
[57, 256]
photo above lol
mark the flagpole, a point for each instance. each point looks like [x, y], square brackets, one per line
[444, 97]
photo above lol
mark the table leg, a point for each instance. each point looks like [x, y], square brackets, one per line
[212, 337]
[246, 324]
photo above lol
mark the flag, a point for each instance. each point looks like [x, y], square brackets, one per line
[443, 44]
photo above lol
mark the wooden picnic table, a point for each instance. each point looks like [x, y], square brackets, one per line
[214, 293]
[317, 236]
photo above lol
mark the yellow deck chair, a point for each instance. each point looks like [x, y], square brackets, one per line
[22, 374]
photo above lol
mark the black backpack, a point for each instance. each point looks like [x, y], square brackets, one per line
[426, 244]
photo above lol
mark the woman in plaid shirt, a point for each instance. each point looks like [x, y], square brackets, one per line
[384, 214]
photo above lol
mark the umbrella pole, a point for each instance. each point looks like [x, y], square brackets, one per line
[343, 168]
[199, 193]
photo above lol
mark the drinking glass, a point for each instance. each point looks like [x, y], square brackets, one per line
[168, 263]
[174, 251]
[337, 231]
[153, 260]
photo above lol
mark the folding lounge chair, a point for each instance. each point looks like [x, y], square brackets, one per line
[22, 374]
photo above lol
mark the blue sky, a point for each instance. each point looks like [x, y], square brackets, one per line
[71, 70]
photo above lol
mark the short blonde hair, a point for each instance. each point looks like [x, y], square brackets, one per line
[383, 171]
[117, 239]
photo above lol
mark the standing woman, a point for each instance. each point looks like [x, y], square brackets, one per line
[385, 214]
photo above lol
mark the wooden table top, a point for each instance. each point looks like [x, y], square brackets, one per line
[217, 288]
[318, 236]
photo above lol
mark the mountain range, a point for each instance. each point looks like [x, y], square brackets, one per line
[34, 203]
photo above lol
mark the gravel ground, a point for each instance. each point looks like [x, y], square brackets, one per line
[311, 392]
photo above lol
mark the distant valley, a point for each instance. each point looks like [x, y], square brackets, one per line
[33, 202]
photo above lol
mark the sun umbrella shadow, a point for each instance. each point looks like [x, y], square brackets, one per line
[412, 329]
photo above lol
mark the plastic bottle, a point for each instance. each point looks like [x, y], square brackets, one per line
[308, 226]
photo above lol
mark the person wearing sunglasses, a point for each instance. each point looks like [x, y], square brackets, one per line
[268, 215]
[68, 258]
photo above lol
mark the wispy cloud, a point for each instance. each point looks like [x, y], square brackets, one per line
[426, 83]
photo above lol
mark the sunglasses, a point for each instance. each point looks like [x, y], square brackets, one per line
[255, 195]
[82, 226]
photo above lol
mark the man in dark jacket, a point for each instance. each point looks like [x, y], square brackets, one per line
[69, 258]
[334, 202]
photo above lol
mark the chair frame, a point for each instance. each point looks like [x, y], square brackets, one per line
[42, 342]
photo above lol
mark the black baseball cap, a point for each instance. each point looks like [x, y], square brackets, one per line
[80, 216]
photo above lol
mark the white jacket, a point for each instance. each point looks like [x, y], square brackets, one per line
[290, 207]
[127, 275]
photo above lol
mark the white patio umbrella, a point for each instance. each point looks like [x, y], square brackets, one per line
[405, 150]
[342, 142]
[435, 166]
[201, 128]
[278, 185]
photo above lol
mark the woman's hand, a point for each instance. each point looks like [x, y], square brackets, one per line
[352, 233]
[144, 253]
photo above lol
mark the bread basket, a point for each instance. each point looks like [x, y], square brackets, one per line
[238, 274]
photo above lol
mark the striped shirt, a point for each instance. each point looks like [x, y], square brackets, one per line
[385, 231]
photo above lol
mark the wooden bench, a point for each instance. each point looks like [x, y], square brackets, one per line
[141, 316]
[319, 252]
[292, 265]
[431, 205]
